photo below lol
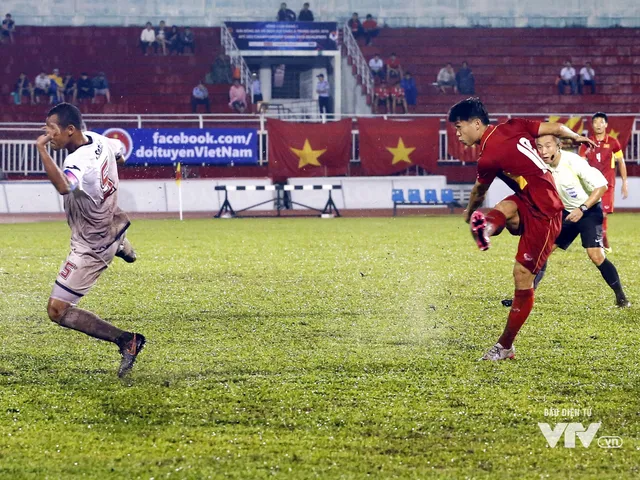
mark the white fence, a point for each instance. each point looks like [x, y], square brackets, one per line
[18, 154]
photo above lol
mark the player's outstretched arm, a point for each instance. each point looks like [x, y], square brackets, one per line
[476, 199]
[562, 131]
[55, 175]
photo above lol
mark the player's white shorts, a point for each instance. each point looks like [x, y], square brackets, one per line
[80, 271]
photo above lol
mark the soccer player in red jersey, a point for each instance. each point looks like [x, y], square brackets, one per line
[534, 212]
[604, 157]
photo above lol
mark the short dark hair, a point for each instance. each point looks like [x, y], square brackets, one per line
[67, 115]
[468, 109]
[600, 115]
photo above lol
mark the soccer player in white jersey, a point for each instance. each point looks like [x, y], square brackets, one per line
[581, 188]
[88, 181]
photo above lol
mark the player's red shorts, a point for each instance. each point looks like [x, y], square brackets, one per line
[537, 235]
[608, 197]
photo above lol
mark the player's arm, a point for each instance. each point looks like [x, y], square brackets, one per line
[593, 181]
[562, 131]
[476, 199]
[56, 176]
[619, 157]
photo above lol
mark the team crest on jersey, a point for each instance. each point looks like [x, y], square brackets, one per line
[123, 136]
[606, 145]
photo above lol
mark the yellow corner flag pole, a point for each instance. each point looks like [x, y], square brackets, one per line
[179, 182]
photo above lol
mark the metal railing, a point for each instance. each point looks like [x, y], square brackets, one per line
[18, 155]
[357, 59]
[231, 49]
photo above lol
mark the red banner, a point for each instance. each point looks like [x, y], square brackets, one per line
[619, 128]
[392, 146]
[308, 149]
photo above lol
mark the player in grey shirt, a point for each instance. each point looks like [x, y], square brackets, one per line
[89, 183]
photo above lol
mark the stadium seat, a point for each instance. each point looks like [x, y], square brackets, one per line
[414, 195]
[447, 196]
[397, 195]
[430, 196]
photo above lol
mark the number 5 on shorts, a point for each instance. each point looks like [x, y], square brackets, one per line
[67, 269]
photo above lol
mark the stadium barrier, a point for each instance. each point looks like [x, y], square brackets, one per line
[19, 156]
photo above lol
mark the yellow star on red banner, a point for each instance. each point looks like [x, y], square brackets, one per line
[400, 152]
[308, 156]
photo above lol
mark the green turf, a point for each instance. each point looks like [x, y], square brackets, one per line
[308, 348]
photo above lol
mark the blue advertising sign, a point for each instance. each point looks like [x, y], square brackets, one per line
[284, 35]
[189, 146]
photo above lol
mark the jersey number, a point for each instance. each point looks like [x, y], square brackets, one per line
[525, 147]
[598, 157]
[107, 186]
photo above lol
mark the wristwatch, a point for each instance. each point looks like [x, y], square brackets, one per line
[583, 208]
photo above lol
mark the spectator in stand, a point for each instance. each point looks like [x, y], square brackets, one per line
[323, 90]
[285, 15]
[408, 83]
[568, 77]
[148, 39]
[42, 86]
[587, 77]
[187, 40]
[377, 67]
[398, 98]
[381, 96]
[221, 70]
[173, 40]
[394, 69]
[256, 90]
[238, 97]
[161, 37]
[465, 81]
[8, 29]
[56, 88]
[370, 29]
[447, 78]
[69, 88]
[200, 96]
[305, 14]
[84, 88]
[355, 26]
[101, 87]
[23, 88]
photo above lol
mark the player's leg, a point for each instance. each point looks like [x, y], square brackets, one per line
[535, 246]
[78, 274]
[592, 240]
[504, 214]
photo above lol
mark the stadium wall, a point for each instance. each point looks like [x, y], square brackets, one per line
[412, 13]
[147, 196]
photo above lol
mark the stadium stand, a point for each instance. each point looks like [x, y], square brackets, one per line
[139, 84]
[515, 69]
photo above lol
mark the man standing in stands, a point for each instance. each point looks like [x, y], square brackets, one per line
[305, 14]
[604, 156]
[534, 212]
[286, 15]
[324, 99]
[88, 182]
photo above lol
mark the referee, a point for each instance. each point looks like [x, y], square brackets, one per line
[580, 187]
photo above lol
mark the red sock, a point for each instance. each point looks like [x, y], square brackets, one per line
[496, 222]
[520, 310]
[605, 240]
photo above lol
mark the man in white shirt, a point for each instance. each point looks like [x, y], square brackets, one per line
[148, 39]
[587, 77]
[200, 96]
[377, 67]
[323, 89]
[568, 77]
[580, 187]
[447, 78]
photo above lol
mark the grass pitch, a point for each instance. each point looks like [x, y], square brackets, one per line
[305, 348]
